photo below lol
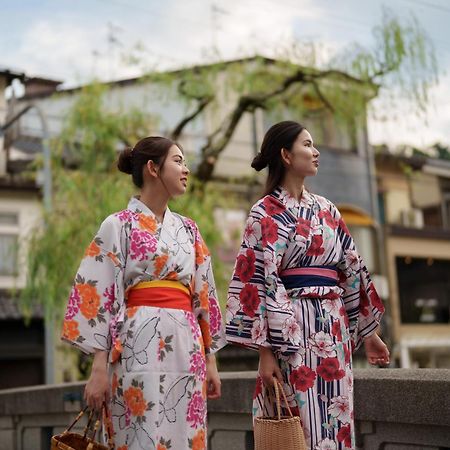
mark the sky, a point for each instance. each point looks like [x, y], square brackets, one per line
[75, 41]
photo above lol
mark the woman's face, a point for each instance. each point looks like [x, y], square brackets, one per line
[303, 158]
[174, 172]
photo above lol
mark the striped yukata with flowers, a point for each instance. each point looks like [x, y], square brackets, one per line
[312, 329]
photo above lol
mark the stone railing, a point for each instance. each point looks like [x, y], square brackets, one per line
[396, 409]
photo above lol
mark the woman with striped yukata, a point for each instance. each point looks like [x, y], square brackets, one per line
[301, 295]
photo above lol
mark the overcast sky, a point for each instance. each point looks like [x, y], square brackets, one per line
[74, 41]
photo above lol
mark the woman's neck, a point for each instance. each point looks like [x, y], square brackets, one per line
[294, 186]
[156, 201]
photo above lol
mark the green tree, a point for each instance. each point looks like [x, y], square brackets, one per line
[87, 188]
[401, 66]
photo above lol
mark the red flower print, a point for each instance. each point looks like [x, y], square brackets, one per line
[329, 369]
[375, 299]
[316, 248]
[342, 277]
[302, 378]
[363, 302]
[269, 231]
[329, 219]
[245, 266]
[303, 227]
[343, 314]
[344, 435]
[273, 206]
[336, 330]
[249, 299]
[258, 387]
[347, 354]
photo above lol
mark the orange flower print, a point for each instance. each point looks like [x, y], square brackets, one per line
[131, 311]
[113, 258]
[147, 223]
[70, 330]
[90, 300]
[116, 350]
[123, 447]
[114, 384]
[204, 326]
[160, 262]
[172, 275]
[92, 250]
[204, 297]
[198, 443]
[134, 398]
[161, 447]
[162, 344]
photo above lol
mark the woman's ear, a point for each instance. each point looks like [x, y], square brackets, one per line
[152, 168]
[285, 156]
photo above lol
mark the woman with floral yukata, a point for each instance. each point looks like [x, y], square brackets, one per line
[301, 295]
[144, 303]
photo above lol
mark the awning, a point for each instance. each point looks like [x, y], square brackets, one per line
[352, 216]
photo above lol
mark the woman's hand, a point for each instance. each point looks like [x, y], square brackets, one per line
[97, 387]
[268, 367]
[376, 350]
[212, 378]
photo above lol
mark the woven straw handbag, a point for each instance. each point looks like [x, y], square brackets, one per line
[86, 441]
[280, 432]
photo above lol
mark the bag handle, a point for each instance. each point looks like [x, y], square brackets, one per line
[277, 387]
[88, 428]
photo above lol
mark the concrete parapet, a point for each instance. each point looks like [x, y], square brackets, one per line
[396, 409]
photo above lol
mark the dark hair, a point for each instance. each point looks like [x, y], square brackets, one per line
[278, 136]
[132, 160]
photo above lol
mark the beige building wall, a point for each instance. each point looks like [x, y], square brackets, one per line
[419, 248]
[28, 208]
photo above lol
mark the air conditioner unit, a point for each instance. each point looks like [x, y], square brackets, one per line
[412, 218]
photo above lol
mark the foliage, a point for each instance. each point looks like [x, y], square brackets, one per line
[85, 196]
[401, 66]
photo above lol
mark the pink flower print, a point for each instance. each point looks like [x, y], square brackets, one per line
[196, 410]
[73, 305]
[198, 366]
[142, 243]
[195, 328]
[214, 316]
[127, 416]
[109, 294]
[126, 215]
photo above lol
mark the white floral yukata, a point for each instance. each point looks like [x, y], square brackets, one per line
[157, 355]
[313, 329]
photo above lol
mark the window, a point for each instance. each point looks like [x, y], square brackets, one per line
[424, 289]
[9, 241]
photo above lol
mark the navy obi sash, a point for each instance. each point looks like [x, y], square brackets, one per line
[299, 277]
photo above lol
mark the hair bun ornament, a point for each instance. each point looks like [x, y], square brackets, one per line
[259, 162]
[124, 163]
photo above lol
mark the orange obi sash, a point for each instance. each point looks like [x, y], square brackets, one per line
[160, 294]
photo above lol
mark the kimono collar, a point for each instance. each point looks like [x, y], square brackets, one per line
[137, 206]
[290, 202]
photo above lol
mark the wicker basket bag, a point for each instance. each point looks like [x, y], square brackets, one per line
[280, 432]
[86, 441]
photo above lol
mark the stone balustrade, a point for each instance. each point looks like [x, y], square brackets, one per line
[396, 409]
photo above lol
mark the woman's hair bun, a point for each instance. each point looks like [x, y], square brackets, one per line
[259, 162]
[124, 163]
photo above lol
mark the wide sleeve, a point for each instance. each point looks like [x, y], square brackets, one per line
[206, 304]
[259, 312]
[89, 319]
[363, 305]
